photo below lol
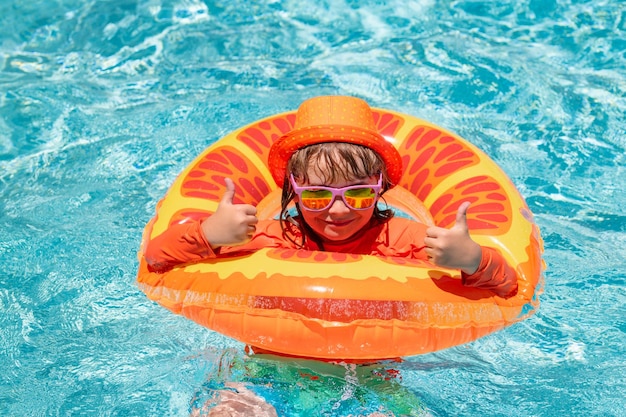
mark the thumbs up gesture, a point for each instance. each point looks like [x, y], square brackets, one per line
[231, 224]
[454, 248]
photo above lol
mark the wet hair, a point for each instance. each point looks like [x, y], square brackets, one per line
[341, 161]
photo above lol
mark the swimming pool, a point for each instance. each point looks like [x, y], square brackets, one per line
[103, 102]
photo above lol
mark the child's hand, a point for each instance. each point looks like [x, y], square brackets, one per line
[231, 224]
[454, 248]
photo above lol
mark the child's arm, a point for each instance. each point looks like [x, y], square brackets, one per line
[494, 274]
[481, 267]
[454, 248]
[179, 244]
[231, 224]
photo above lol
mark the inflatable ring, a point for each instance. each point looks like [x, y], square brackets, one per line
[343, 306]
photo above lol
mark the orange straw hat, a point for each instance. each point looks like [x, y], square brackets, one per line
[333, 119]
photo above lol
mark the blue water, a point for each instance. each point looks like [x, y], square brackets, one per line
[102, 103]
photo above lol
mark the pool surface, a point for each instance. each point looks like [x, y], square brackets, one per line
[103, 103]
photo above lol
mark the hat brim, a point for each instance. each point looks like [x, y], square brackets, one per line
[286, 145]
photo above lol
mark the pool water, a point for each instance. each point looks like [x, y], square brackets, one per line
[102, 103]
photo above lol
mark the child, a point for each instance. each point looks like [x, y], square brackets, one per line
[335, 166]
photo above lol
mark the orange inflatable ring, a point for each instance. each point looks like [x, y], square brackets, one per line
[343, 306]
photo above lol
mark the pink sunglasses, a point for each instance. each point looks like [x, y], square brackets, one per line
[319, 198]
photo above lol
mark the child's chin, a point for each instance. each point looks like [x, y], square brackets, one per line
[335, 237]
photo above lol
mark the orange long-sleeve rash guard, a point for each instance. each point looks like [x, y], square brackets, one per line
[186, 243]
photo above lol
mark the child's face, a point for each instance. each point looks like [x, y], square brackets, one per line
[338, 222]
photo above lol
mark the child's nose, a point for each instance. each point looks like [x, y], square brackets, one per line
[338, 206]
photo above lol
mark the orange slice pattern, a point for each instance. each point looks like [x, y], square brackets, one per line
[438, 155]
[490, 212]
[206, 178]
[396, 260]
[312, 256]
[429, 155]
[260, 136]
[387, 124]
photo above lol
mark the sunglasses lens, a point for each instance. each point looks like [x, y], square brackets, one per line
[360, 198]
[316, 199]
